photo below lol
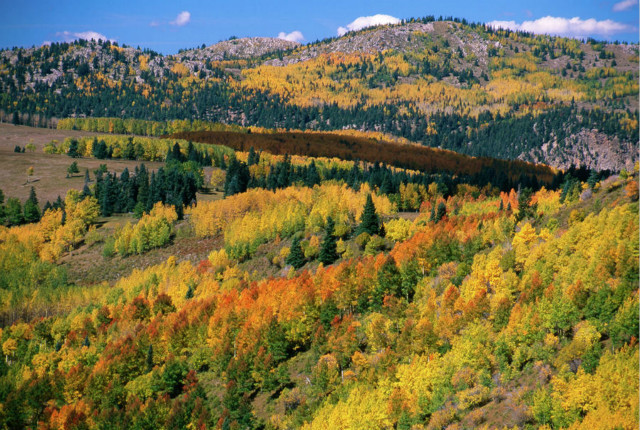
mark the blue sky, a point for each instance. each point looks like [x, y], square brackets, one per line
[169, 26]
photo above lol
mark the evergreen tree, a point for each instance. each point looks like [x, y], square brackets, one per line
[312, 176]
[252, 158]
[175, 154]
[440, 212]
[328, 253]
[99, 149]
[31, 209]
[73, 149]
[73, 168]
[369, 221]
[86, 192]
[128, 152]
[189, 294]
[13, 212]
[296, 256]
[593, 179]
[525, 208]
[87, 178]
[2, 210]
[150, 359]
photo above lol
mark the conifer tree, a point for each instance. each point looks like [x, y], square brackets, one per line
[150, 359]
[128, 152]
[296, 256]
[369, 221]
[31, 209]
[1, 207]
[252, 158]
[73, 168]
[328, 253]
[73, 149]
[189, 294]
[13, 212]
[86, 192]
[440, 212]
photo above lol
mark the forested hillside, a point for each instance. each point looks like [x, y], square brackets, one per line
[332, 294]
[428, 225]
[442, 83]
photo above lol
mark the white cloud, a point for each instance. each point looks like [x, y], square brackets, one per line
[368, 21]
[572, 27]
[624, 5]
[294, 36]
[68, 36]
[154, 24]
[183, 18]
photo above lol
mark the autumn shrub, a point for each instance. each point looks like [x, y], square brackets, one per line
[152, 231]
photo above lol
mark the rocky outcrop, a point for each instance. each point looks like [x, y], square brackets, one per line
[589, 148]
[248, 47]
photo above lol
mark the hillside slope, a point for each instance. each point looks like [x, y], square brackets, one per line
[446, 84]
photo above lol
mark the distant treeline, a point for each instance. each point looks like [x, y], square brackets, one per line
[426, 160]
[142, 127]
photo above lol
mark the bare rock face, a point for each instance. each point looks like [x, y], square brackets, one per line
[589, 148]
[248, 47]
[368, 41]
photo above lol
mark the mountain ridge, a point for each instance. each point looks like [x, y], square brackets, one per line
[446, 84]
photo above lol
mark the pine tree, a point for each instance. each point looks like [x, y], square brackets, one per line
[73, 149]
[31, 209]
[1, 207]
[13, 212]
[328, 253]
[73, 168]
[99, 149]
[312, 176]
[252, 158]
[441, 211]
[150, 359]
[189, 294]
[296, 256]
[128, 152]
[525, 208]
[369, 221]
[86, 191]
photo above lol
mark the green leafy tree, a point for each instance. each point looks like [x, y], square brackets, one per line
[328, 253]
